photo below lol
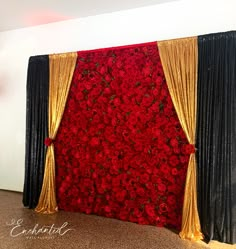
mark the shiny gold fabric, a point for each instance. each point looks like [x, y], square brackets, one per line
[179, 60]
[61, 72]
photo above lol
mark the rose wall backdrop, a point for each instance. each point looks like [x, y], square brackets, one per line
[120, 150]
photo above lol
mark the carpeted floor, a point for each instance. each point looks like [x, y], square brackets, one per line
[19, 225]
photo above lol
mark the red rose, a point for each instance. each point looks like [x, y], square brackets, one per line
[164, 92]
[155, 92]
[83, 104]
[132, 194]
[119, 64]
[75, 171]
[123, 214]
[103, 70]
[175, 189]
[147, 71]
[107, 209]
[163, 208]
[120, 196]
[174, 171]
[161, 187]
[165, 169]
[108, 78]
[94, 141]
[159, 81]
[140, 191]
[174, 142]
[90, 199]
[130, 204]
[156, 131]
[96, 91]
[100, 190]
[147, 101]
[162, 221]
[176, 150]
[154, 196]
[144, 178]
[107, 91]
[184, 159]
[149, 185]
[121, 73]
[174, 161]
[115, 182]
[150, 210]
[154, 178]
[189, 149]
[48, 141]
[79, 96]
[110, 61]
[142, 220]
[137, 213]
[88, 210]
[171, 200]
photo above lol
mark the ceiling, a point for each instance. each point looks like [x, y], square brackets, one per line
[17, 14]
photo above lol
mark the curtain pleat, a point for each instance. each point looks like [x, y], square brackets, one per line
[61, 72]
[216, 136]
[36, 127]
[179, 61]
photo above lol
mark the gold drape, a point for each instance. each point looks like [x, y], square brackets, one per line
[61, 72]
[179, 60]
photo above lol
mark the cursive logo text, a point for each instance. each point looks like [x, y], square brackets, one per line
[19, 230]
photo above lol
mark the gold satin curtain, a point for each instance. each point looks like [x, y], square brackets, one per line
[61, 72]
[179, 60]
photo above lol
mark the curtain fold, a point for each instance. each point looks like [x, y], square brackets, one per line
[61, 72]
[216, 136]
[179, 61]
[36, 127]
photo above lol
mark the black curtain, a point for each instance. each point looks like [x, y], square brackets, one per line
[216, 136]
[36, 127]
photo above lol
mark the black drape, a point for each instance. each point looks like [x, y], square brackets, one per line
[216, 136]
[36, 127]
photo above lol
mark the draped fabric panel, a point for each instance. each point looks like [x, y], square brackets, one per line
[36, 127]
[216, 136]
[61, 72]
[179, 60]
[124, 79]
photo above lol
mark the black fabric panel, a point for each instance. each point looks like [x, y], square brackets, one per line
[216, 136]
[36, 127]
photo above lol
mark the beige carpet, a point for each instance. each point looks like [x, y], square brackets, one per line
[82, 231]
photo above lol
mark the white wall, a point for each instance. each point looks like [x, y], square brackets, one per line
[164, 21]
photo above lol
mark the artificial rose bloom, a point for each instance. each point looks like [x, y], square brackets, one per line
[189, 149]
[174, 161]
[95, 141]
[161, 187]
[107, 91]
[171, 200]
[174, 171]
[174, 142]
[120, 196]
[144, 178]
[150, 210]
[163, 208]
[140, 191]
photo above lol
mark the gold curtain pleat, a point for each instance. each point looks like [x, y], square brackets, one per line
[61, 72]
[179, 60]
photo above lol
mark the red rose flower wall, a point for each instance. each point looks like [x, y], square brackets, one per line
[120, 150]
